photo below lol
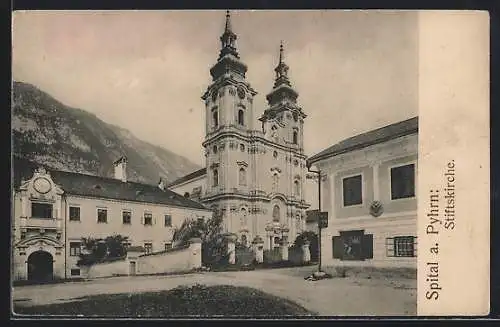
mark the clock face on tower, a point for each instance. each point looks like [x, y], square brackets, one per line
[241, 92]
[41, 185]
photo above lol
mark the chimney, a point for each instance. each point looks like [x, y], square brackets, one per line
[161, 184]
[121, 169]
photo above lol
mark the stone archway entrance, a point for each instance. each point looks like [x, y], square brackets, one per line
[40, 266]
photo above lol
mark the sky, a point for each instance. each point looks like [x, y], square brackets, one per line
[146, 70]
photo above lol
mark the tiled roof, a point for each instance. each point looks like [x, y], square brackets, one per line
[379, 135]
[194, 174]
[103, 187]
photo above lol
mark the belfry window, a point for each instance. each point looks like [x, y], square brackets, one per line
[296, 188]
[215, 119]
[215, 177]
[295, 137]
[241, 117]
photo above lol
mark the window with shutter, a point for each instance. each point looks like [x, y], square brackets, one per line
[367, 246]
[168, 220]
[148, 219]
[353, 245]
[338, 247]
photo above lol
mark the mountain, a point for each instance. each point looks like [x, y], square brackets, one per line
[47, 132]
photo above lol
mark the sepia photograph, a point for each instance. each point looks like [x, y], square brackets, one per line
[229, 164]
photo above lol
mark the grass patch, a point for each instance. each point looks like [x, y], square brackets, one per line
[197, 300]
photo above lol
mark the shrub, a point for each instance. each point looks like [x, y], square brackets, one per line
[312, 237]
[98, 250]
[214, 248]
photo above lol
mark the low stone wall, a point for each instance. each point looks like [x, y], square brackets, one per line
[181, 259]
[272, 256]
[106, 269]
[174, 260]
[295, 255]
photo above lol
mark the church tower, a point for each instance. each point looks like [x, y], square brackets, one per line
[229, 122]
[283, 121]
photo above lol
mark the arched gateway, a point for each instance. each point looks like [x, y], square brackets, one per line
[40, 266]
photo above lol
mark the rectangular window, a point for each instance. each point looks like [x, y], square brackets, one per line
[127, 217]
[74, 213]
[148, 218]
[168, 220]
[74, 249]
[75, 272]
[148, 247]
[41, 210]
[401, 246]
[168, 246]
[403, 182]
[102, 215]
[352, 190]
[200, 220]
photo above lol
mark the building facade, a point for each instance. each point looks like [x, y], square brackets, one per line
[369, 189]
[54, 210]
[255, 170]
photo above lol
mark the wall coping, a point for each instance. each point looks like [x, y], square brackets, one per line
[176, 249]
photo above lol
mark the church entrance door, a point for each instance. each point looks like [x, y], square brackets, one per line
[40, 266]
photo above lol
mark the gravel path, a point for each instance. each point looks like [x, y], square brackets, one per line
[330, 297]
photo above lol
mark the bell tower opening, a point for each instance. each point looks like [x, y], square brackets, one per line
[283, 109]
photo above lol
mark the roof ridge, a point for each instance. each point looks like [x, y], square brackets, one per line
[344, 146]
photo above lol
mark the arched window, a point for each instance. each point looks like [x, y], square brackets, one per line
[275, 182]
[277, 241]
[243, 176]
[298, 223]
[243, 217]
[276, 213]
[216, 177]
[215, 118]
[244, 240]
[295, 137]
[296, 188]
[241, 117]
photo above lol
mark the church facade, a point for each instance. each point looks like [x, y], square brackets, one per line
[255, 169]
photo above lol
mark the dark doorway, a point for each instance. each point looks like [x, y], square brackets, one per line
[40, 266]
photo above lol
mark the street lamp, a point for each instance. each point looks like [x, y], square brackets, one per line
[318, 172]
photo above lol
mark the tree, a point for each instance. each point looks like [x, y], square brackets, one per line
[312, 237]
[211, 234]
[97, 249]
